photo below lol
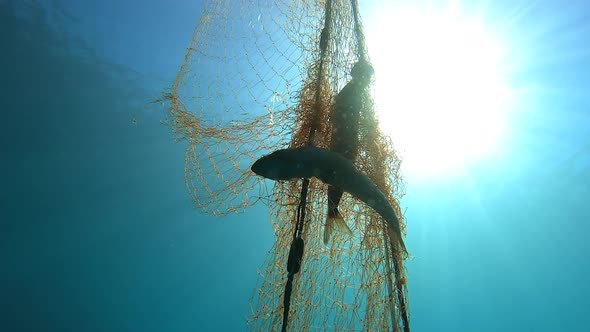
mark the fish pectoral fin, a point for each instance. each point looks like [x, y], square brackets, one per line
[335, 223]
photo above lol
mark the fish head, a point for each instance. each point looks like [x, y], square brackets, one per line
[362, 72]
[279, 165]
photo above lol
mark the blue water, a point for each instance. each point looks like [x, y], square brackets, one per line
[97, 232]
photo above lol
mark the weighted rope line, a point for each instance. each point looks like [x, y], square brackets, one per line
[389, 250]
[297, 246]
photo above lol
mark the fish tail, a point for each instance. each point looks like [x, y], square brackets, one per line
[402, 246]
[334, 221]
[396, 238]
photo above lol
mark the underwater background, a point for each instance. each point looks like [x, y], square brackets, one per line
[97, 232]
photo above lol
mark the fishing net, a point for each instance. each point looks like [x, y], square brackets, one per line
[263, 75]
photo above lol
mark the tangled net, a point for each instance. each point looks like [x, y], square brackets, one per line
[255, 79]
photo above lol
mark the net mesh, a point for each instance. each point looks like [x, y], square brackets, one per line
[254, 80]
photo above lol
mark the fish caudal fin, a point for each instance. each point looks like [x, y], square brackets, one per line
[334, 221]
[397, 237]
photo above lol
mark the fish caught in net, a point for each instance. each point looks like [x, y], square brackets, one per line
[260, 76]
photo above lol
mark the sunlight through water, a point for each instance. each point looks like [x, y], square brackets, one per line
[440, 86]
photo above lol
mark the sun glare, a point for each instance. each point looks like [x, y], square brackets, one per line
[439, 87]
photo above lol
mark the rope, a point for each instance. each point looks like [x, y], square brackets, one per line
[361, 53]
[297, 246]
[358, 30]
